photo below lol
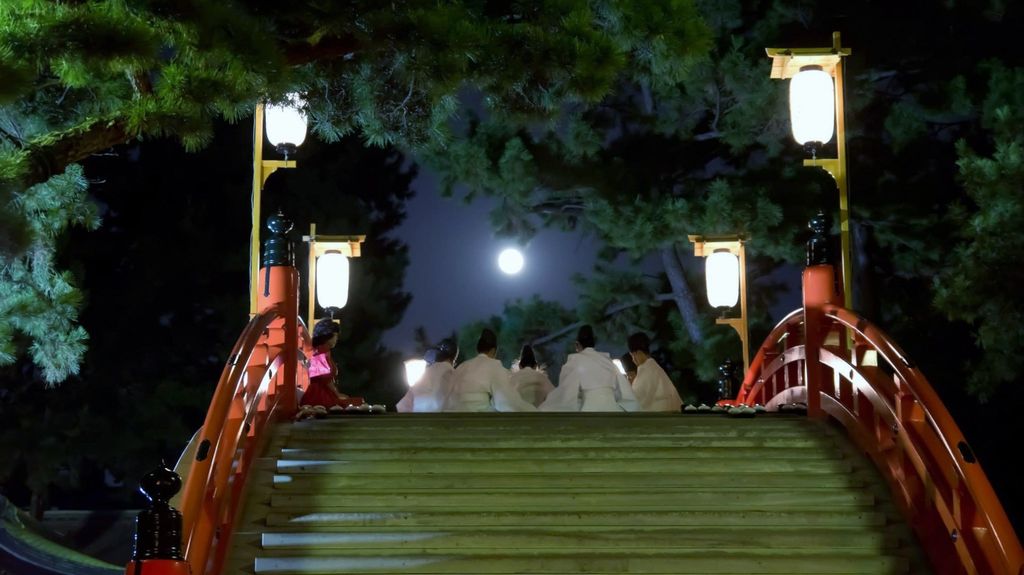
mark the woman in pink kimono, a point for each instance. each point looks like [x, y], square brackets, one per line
[323, 372]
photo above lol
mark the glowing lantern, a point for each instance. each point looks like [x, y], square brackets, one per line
[414, 370]
[812, 105]
[618, 364]
[723, 278]
[332, 280]
[286, 124]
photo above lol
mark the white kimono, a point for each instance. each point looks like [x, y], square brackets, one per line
[431, 393]
[483, 384]
[532, 385]
[653, 388]
[590, 382]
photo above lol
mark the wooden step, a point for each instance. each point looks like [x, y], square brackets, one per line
[676, 563]
[320, 520]
[708, 465]
[528, 482]
[645, 499]
[527, 540]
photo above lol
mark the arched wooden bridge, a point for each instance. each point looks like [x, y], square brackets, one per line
[875, 477]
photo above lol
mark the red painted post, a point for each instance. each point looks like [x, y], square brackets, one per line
[279, 285]
[284, 332]
[819, 289]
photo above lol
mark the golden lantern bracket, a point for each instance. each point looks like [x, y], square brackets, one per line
[704, 246]
[271, 166]
[350, 246]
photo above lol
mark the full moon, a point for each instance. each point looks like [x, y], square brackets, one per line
[510, 261]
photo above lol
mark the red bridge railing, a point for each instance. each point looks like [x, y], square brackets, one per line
[875, 391]
[256, 389]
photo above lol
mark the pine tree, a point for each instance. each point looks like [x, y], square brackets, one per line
[82, 77]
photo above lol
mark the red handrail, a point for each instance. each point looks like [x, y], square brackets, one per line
[893, 413]
[256, 389]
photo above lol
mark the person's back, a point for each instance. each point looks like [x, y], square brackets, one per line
[483, 384]
[652, 386]
[532, 385]
[432, 391]
[589, 381]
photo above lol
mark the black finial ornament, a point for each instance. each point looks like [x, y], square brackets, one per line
[727, 374]
[158, 529]
[278, 250]
[817, 246]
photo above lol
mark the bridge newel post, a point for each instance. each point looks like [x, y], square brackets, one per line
[818, 290]
[158, 537]
[279, 285]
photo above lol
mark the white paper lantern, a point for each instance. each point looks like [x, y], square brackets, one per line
[414, 370]
[286, 123]
[812, 102]
[332, 280]
[723, 279]
[618, 364]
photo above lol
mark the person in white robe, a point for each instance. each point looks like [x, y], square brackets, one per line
[483, 384]
[589, 381]
[531, 383]
[653, 389]
[430, 393]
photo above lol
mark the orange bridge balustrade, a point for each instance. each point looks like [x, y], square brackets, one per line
[256, 388]
[844, 368]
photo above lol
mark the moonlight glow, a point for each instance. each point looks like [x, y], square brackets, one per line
[510, 261]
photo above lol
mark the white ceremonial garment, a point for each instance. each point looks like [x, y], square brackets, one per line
[653, 388]
[532, 385]
[589, 381]
[430, 394]
[483, 384]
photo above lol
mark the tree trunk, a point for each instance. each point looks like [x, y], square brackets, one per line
[681, 293]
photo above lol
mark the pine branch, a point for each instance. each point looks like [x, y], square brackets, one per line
[52, 155]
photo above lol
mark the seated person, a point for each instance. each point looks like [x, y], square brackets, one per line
[653, 389]
[532, 384]
[323, 372]
[431, 392]
[589, 381]
[483, 384]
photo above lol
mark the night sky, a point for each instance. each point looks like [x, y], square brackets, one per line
[453, 274]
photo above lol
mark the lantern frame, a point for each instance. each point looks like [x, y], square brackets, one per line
[704, 246]
[786, 63]
[320, 244]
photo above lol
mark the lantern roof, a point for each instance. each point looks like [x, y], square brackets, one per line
[786, 62]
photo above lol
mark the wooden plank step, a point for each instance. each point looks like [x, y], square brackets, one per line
[416, 468]
[681, 499]
[557, 453]
[608, 442]
[311, 520]
[728, 562]
[529, 539]
[624, 481]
